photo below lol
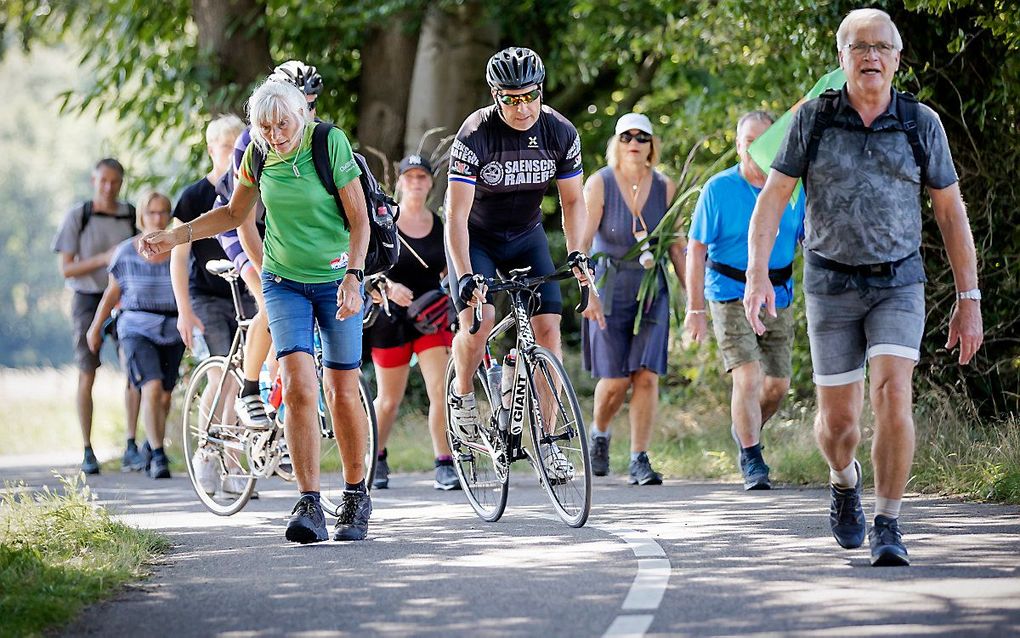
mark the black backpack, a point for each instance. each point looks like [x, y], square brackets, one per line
[383, 212]
[906, 113]
[130, 216]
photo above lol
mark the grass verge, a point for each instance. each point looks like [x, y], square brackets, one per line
[59, 552]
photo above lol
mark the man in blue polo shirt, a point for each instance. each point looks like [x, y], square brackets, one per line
[760, 365]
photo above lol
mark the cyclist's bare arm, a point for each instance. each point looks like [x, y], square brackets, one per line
[216, 221]
[574, 213]
[248, 234]
[459, 198]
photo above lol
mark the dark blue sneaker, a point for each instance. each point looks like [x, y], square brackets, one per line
[446, 477]
[382, 475]
[846, 516]
[352, 519]
[756, 473]
[887, 549]
[90, 464]
[307, 523]
[159, 467]
[146, 452]
[600, 455]
[132, 460]
[641, 472]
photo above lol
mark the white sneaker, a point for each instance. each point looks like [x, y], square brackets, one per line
[207, 471]
[464, 416]
[234, 484]
[557, 466]
[252, 412]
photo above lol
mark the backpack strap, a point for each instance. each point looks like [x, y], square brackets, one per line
[828, 102]
[86, 214]
[258, 162]
[906, 112]
[133, 218]
[324, 168]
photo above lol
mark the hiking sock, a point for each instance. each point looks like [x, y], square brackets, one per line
[355, 487]
[382, 455]
[599, 434]
[634, 455]
[845, 478]
[445, 459]
[314, 495]
[249, 388]
[131, 443]
[888, 507]
[751, 452]
[158, 453]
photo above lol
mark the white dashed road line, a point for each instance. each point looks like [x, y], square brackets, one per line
[649, 585]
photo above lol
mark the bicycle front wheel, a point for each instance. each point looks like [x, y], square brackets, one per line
[559, 438]
[484, 482]
[214, 441]
[331, 469]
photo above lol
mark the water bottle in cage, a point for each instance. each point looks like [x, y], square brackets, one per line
[507, 387]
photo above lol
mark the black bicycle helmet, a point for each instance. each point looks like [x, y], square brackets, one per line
[303, 76]
[514, 68]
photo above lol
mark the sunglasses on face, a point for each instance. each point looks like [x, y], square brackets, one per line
[642, 138]
[523, 98]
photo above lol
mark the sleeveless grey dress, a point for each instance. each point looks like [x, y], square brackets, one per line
[617, 352]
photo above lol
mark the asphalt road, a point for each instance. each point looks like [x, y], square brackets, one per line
[683, 559]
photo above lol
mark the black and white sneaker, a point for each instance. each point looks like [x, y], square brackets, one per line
[846, 516]
[307, 523]
[641, 472]
[352, 519]
[464, 416]
[600, 455]
[252, 412]
[886, 540]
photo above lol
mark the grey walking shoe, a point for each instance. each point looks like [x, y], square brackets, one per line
[600, 455]
[641, 472]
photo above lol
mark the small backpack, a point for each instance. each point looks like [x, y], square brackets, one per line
[383, 212]
[86, 215]
[906, 113]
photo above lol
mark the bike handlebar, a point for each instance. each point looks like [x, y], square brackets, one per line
[517, 282]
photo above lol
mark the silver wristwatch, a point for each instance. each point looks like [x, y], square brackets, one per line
[974, 293]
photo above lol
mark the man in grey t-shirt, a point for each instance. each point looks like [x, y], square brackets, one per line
[86, 240]
[863, 275]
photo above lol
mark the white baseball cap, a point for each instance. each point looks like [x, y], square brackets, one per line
[631, 121]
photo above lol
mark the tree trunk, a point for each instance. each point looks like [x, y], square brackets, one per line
[234, 42]
[449, 72]
[387, 64]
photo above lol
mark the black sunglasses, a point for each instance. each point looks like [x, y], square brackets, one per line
[642, 138]
[523, 98]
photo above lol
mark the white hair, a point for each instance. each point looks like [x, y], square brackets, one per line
[859, 17]
[225, 127]
[269, 103]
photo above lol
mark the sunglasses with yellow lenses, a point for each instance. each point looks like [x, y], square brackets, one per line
[523, 98]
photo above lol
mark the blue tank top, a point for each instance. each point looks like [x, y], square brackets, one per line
[615, 235]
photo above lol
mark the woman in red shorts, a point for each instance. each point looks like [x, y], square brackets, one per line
[395, 338]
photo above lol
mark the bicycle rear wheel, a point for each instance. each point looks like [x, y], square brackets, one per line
[560, 439]
[214, 441]
[484, 482]
[331, 477]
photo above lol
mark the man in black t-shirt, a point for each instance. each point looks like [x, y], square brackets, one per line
[203, 299]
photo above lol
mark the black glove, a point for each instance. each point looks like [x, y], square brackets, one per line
[467, 286]
[577, 259]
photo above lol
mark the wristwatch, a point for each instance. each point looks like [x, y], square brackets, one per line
[974, 293]
[358, 273]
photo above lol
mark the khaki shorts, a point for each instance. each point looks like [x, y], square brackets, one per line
[739, 345]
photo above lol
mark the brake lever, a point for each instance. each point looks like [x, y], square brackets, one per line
[476, 321]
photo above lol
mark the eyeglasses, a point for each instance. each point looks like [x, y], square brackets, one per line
[862, 48]
[523, 98]
[642, 138]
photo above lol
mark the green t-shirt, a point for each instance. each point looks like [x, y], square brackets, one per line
[305, 237]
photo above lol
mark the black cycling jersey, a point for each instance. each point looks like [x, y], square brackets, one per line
[510, 169]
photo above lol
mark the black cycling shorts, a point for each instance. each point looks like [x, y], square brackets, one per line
[531, 248]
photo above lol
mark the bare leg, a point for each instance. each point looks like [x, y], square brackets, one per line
[609, 397]
[257, 341]
[547, 334]
[837, 424]
[153, 417]
[350, 423]
[892, 450]
[772, 394]
[432, 363]
[644, 403]
[301, 398]
[86, 379]
[745, 406]
[468, 348]
[132, 405]
[391, 383]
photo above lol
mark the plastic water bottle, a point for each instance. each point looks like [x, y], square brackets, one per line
[383, 217]
[494, 375]
[199, 348]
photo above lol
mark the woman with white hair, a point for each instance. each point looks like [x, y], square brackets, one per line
[626, 201]
[311, 276]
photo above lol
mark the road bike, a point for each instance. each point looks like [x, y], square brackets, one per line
[240, 455]
[539, 394]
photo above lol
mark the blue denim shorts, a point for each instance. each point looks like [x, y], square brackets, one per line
[847, 329]
[295, 309]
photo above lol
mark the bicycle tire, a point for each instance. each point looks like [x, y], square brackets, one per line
[485, 490]
[208, 439]
[331, 479]
[568, 490]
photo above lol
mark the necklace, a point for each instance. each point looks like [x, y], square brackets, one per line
[293, 165]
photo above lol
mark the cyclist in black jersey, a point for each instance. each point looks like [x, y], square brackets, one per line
[501, 164]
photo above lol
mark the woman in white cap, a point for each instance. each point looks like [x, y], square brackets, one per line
[626, 200]
[414, 319]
